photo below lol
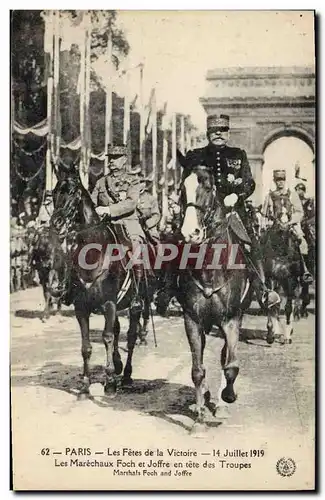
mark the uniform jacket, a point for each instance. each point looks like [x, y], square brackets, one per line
[308, 222]
[283, 201]
[230, 166]
[308, 206]
[121, 193]
[148, 210]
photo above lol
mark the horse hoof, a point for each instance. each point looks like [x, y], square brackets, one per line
[207, 397]
[127, 382]
[221, 412]
[110, 389]
[228, 396]
[198, 430]
[83, 396]
[286, 341]
[270, 338]
[118, 365]
[143, 342]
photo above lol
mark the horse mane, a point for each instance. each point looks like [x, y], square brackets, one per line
[73, 193]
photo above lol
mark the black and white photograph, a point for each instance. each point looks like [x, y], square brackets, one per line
[163, 250]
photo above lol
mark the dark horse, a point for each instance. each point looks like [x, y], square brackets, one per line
[210, 296]
[42, 245]
[104, 286]
[283, 269]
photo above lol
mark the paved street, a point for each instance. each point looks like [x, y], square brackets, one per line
[274, 410]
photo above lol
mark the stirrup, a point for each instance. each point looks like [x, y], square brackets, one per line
[270, 298]
[136, 305]
[307, 278]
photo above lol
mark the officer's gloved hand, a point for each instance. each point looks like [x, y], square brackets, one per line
[230, 200]
[102, 211]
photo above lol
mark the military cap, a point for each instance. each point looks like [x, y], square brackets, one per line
[217, 121]
[279, 175]
[300, 185]
[116, 150]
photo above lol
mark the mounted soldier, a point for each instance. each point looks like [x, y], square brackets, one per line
[235, 183]
[308, 219]
[282, 207]
[148, 210]
[116, 195]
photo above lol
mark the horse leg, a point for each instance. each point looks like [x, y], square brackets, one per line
[47, 298]
[205, 388]
[143, 329]
[305, 298]
[296, 301]
[132, 334]
[110, 339]
[229, 361]
[82, 316]
[118, 365]
[273, 323]
[196, 338]
[290, 290]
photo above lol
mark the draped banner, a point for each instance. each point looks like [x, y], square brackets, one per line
[40, 129]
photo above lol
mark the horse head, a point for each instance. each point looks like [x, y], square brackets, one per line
[72, 202]
[199, 204]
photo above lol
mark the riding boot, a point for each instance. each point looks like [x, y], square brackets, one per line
[136, 303]
[306, 275]
[166, 291]
[268, 298]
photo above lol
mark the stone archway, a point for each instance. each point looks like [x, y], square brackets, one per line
[287, 151]
[263, 104]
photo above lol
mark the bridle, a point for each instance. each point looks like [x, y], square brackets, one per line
[208, 214]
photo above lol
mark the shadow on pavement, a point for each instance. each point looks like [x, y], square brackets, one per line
[168, 401]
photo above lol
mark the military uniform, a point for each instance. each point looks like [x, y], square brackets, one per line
[148, 210]
[308, 220]
[233, 179]
[284, 205]
[230, 167]
[120, 192]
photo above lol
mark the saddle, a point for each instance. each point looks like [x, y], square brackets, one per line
[238, 228]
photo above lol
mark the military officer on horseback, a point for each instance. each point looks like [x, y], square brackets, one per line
[148, 210]
[235, 183]
[116, 195]
[308, 219]
[283, 207]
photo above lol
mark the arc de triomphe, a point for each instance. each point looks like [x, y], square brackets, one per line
[264, 104]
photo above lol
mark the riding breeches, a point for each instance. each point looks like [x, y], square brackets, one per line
[303, 243]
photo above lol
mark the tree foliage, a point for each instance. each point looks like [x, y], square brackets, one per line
[29, 85]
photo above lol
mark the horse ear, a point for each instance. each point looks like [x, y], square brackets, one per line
[181, 158]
